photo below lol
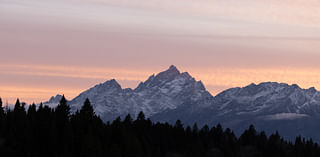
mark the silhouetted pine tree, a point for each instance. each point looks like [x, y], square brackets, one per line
[2, 120]
[47, 134]
[1, 110]
[31, 133]
[17, 128]
[86, 126]
[2, 127]
[86, 110]
[63, 128]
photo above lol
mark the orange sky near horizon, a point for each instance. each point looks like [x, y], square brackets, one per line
[38, 87]
[66, 46]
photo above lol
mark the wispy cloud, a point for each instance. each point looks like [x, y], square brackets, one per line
[72, 71]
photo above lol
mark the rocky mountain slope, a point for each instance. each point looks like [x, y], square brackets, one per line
[172, 95]
[164, 91]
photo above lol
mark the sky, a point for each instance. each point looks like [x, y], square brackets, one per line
[67, 46]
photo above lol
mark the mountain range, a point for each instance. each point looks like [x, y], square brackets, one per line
[172, 95]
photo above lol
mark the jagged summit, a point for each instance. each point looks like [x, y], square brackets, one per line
[173, 68]
[312, 89]
[169, 74]
[110, 84]
[54, 100]
[275, 86]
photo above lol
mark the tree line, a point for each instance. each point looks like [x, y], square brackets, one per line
[54, 132]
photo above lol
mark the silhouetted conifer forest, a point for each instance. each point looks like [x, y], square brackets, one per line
[46, 132]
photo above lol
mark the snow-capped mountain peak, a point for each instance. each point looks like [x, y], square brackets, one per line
[166, 90]
[164, 76]
[56, 98]
[172, 71]
[53, 101]
[108, 86]
[270, 97]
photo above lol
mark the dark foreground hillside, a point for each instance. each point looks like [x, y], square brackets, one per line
[48, 132]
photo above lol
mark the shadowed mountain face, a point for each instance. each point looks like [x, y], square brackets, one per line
[269, 106]
[172, 95]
